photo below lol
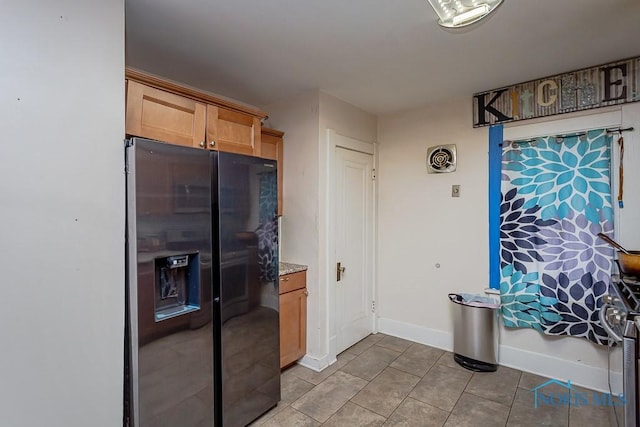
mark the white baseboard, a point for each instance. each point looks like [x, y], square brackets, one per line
[536, 363]
[333, 349]
[419, 334]
[554, 367]
[316, 363]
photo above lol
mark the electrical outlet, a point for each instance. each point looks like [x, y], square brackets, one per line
[455, 191]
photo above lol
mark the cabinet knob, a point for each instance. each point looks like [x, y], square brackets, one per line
[306, 292]
[285, 279]
[212, 143]
[202, 144]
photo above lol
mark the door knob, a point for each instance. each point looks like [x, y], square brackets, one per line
[340, 269]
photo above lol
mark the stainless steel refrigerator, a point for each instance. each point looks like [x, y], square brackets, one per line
[202, 287]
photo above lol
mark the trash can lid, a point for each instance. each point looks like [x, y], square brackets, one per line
[474, 300]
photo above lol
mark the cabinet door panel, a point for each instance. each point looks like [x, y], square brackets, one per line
[293, 326]
[269, 149]
[232, 131]
[156, 114]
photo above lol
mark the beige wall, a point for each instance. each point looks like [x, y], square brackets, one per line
[346, 119]
[62, 216]
[422, 227]
[298, 118]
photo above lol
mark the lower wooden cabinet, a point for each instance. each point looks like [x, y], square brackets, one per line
[293, 317]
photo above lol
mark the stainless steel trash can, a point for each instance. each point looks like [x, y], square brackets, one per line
[475, 332]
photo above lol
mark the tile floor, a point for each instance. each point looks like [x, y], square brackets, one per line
[388, 381]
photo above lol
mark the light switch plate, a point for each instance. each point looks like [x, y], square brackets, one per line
[455, 191]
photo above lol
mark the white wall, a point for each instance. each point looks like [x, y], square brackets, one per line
[350, 121]
[304, 119]
[298, 117]
[62, 215]
[420, 227]
[346, 120]
[628, 227]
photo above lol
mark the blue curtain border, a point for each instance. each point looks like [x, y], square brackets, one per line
[495, 176]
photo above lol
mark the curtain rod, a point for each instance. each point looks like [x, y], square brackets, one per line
[619, 130]
[569, 135]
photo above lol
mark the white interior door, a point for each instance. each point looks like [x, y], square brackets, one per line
[354, 209]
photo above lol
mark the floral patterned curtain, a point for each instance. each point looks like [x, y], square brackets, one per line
[556, 197]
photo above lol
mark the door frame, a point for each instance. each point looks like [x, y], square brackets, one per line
[328, 241]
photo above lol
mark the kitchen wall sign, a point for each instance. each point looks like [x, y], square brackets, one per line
[601, 86]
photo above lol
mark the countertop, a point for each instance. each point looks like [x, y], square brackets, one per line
[288, 268]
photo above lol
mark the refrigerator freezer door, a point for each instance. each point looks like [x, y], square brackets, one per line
[248, 228]
[170, 285]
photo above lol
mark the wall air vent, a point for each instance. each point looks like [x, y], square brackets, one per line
[441, 159]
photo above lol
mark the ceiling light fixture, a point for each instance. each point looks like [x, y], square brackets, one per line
[459, 13]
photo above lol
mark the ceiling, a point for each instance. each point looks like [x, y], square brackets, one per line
[383, 56]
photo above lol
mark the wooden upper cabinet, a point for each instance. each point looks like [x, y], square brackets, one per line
[272, 148]
[170, 112]
[233, 131]
[271, 144]
[156, 114]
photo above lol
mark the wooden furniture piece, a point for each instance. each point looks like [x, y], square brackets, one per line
[166, 111]
[156, 114]
[272, 148]
[293, 317]
[233, 131]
